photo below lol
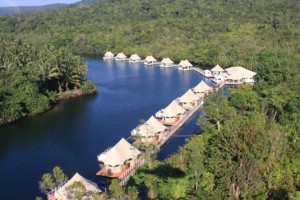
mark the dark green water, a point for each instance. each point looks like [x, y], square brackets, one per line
[77, 130]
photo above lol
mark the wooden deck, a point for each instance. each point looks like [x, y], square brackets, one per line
[104, 172]
[171, 123]
[175, 128]
[200, 71]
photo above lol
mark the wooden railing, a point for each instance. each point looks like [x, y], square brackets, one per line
[130, 171]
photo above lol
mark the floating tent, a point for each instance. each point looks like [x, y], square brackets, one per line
[189, 100]
[120, 57]
[108, 55]
[150, 131]
[150, 60]
[217, 70]
[62, 192]
[167, 62]
[172, 113]
[202, 89]
[134, 58]
[185, 65]
[118, 158]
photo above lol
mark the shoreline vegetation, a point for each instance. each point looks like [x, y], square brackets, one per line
[33, 78]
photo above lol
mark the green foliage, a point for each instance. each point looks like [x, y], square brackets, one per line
[252, 156]
[88, 87]
[76, 191]
[32, 75]
[216, 111]
[116, 190]
[47, 184]
[256, 34]
[50, 181]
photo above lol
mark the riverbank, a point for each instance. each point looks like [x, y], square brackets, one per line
[88, 88]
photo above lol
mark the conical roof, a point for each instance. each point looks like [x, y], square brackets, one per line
[150, 59]
[217, 68]
[240, 71]
[121, 55]
[173, 109]
[167, 61]
[202, 87]
[118, 154]
[62, 193]
[188, 97]
[185, 63]
[108, 54]
[134, 57]
[151, 127]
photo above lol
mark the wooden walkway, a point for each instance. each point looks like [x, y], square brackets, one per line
[132, 170]
[175, 128]
[200, 71]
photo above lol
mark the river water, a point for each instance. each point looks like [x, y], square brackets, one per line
[73, 133]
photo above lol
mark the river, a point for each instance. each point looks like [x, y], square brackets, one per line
[73, 133]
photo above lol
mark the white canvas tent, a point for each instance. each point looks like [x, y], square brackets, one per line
[108, 55]
[150, 130]
[167, 62]
[150, 60]
[188, 100]
[217, 70]
[120, 57]
[202, 87]
[185, 65]
[115, 159]
[172, 113]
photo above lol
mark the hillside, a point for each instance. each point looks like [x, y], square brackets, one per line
[224, 32]
[27, 9]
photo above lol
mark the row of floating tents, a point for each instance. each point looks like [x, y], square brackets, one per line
[123, 157]
[149, 60]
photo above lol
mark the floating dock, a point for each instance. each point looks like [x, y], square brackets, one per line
[173, 129]
[200, 71]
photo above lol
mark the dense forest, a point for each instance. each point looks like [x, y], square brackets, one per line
[248, 146]
[33, 78]
[231, 32]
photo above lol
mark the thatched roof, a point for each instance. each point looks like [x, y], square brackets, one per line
[167, 61]
[151, 127]
[236, 73]
[62, 193]
[173, 109]
[185, 63]
[202, 87]
[150, 59]
[121, 55]
[118, 154]
[135, 57]
[188, 97]
[217, 68]
[109, 54]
